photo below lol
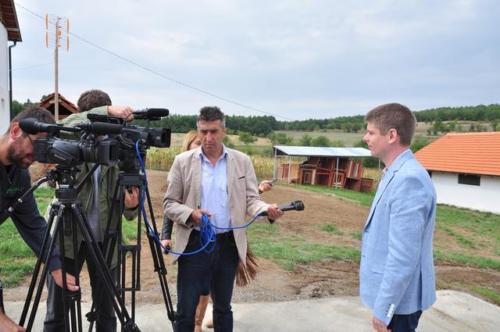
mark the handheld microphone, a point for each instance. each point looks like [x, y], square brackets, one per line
[32, 126]
[150, 113]
[295, 205]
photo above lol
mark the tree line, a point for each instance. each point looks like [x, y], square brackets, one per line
[443, 119]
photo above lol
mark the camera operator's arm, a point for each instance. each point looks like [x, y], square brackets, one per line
[32, 228]
[8, 325]
[122, 112]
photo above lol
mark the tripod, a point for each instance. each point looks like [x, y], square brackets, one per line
[66, 215]
[126, 180]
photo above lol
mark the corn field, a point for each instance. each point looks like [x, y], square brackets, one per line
[162, 159]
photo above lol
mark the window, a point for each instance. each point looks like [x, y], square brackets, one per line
[473, 180]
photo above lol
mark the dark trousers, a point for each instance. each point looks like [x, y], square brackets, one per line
[106, 320]
[207, 272]
[405, 323]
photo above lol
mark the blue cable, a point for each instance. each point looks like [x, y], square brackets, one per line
[207, 228]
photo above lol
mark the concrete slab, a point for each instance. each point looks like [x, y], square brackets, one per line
[453, 312]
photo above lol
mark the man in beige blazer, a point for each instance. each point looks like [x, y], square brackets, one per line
[219, 182]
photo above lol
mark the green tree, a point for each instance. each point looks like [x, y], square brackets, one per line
[418, 143]
[320, 141]
[227, 142]
[305, 140]
[494, 125]
[337, 143]
[246, 138]
[280, 138]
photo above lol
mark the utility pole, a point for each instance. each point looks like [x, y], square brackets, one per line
[57, 43]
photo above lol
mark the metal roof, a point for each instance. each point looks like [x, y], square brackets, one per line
[317, 151]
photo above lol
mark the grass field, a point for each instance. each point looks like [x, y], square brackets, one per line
[462, 236]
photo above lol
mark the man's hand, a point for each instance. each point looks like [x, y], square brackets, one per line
[8, 325]
[379, 325]
[122, 112]
[265, 185]
[273, 212]
[197, 214]
[70, 280]
[131, 197]
[166, 243]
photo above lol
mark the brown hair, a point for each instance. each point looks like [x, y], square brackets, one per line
[189, 138]
[91, 99]
[394, 116]
[37, 112]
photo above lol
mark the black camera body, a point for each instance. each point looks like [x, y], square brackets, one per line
[54, 150]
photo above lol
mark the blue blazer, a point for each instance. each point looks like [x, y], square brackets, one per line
[397, 268]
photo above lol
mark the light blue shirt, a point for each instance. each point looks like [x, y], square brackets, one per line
[214, 193]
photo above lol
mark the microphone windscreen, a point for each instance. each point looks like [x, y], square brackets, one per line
[157, 112]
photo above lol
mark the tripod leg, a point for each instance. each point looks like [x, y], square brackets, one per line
[44, 256]
[108, 249]
[159, 263]
[98, 259]
[71, 300]
[57, 224]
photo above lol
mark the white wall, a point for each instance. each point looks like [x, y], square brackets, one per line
[485, 197]
[4, 81]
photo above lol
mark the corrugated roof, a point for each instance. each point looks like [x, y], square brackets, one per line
[470, 153]
[316, 151]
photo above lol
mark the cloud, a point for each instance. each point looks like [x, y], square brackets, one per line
[290, 58]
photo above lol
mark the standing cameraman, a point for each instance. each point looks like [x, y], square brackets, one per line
[97, 199]
[16, 155]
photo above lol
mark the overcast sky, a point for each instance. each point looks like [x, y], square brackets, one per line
[291, 59]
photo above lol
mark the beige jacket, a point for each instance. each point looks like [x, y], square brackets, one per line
[183, 195]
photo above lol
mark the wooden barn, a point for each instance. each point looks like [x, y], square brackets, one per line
[324, 166]
[66, 108]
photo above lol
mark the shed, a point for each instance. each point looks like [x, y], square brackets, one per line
[327, 166]
[66, 107]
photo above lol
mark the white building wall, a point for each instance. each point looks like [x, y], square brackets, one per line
[4, 80]
[485, 197]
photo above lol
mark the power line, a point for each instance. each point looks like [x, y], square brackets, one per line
[156, 73]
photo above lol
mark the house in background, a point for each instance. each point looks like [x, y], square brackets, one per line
[324, 166]
[465, 169]
[66, 108]
[9, 31]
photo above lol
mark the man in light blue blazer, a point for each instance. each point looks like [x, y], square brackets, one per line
[397, 270]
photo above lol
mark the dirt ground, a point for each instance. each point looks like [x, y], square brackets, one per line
[273, 283]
